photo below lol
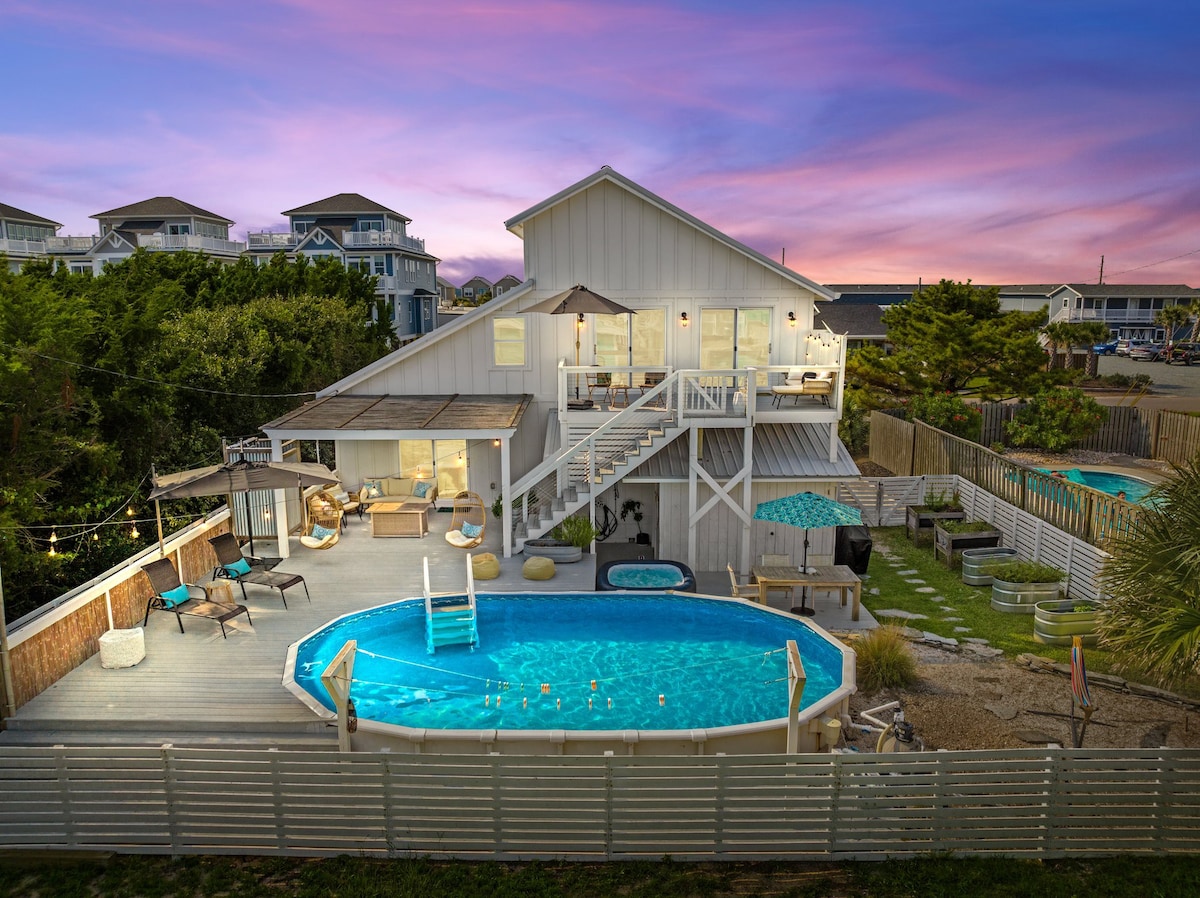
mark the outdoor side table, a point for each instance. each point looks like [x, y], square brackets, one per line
[122, 648]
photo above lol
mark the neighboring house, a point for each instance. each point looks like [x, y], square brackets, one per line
[23, 235]
[476, 288]
[497, 402]
[858, 311]
[447, 292]
[506, 283]
[160, 224]
[1127, 309]
[360, 233]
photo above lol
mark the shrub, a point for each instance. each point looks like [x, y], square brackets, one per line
[1055, 419]
[577, 531]
[854, 428]
[1025, 572]
[966, 526]
[945, 411]
[884, 660]
[941, 502]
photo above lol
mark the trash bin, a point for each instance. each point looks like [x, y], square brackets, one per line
[852, 547]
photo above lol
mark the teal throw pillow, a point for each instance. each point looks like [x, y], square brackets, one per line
[374, 489]
[239, 567]
[420, 490]
[176, 596]
[321, 533]
[470, 531]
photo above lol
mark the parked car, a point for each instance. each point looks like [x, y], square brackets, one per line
[1105, 348]
[1184, 354]
[1126, 346]
[1147, 352]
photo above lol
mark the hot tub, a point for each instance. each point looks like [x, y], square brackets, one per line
[642, 575]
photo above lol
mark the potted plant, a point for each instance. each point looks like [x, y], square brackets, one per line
[633, 508]
[577, 531]
[1055, 622]
[936, 507]
[1019, 585]
[976, 564]
[951, 536]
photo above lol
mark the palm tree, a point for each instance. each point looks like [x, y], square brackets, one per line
[1194, 311]
[1153, 579]
[1172, 318]
[1057, 334]
[1088, 334]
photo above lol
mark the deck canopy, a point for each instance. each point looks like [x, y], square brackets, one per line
[400, 417]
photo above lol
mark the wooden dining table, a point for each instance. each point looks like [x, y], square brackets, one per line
[834, 576]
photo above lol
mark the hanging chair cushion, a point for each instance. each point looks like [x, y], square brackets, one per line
[456, 538]
[470, 531]
[485, 566]
[538, 568]
[320, 534]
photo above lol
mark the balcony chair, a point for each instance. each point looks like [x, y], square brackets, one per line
[172, 595]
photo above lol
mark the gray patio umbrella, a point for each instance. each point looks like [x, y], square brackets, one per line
[810, 511]
[237, 477]
[579, 300]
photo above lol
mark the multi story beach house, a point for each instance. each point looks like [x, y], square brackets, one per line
[23, 235]
[361, 233]
[682, 403]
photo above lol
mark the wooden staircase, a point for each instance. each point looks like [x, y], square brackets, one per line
[450, 619]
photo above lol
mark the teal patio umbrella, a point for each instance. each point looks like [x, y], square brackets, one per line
[810, 511]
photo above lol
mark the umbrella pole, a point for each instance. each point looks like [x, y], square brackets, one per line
[249, 524]
[158, 517]
[805, 611]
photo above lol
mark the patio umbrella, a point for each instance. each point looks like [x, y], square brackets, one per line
[579, 300]
[237, 477]
[810, 511]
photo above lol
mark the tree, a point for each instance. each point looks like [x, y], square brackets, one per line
[1153, 580]
[1056, 418]
[1087, 334]
[1057, 333]
[1172, 318]
[952, 337]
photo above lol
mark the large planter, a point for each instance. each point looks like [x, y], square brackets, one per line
[918, 521]
[947, 542]
[975, 561]
[1019, 598]
[1055, 623]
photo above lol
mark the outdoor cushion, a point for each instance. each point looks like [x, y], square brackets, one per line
[538, 568]
[420, 489]
[485, 566]
[176, 596]
[470, 531]
[320, 533]
[372, 489]
[240, 567]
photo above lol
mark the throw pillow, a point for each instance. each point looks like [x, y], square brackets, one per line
[239, 567]
[321, 533]
[374, 489]
[470, 531]
[420, 489]
[176, 596]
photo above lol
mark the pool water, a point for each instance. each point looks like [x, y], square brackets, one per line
[1134, 488]
[576, 662]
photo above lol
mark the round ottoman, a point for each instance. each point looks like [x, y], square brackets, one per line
[122, 648]
[538, 568]
[485, 566]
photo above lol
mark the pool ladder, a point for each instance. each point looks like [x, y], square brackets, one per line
[450, 619]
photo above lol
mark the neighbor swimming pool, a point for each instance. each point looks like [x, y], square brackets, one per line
[1134, 488]
[602, 671]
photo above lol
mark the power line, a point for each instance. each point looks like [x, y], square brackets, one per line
[160, 383]
[1147, 265]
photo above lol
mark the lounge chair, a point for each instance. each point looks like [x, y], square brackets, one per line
[233, 565]
[172, 595]
[468, 522]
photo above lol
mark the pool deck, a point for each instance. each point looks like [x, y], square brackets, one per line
[199, 689]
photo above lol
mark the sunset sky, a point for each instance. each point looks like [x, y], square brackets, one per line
[1005, 142]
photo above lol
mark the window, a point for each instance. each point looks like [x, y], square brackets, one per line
[179, 229]
[380, 263]
[508, 341]
[635, 340]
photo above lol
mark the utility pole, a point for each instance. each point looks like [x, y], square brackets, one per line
[1101, 270]
[783, 256]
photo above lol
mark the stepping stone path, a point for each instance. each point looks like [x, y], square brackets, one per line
[940, 640]
[1004, 712]
[1033, 737]
[951, 620]
[914, 581]
[947, 607]
[975, 640]
[902, 615]
[908, 573]
[926, 589]
[873, 591]
[962, 629]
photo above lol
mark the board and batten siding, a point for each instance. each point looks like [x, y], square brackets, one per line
[719, 532]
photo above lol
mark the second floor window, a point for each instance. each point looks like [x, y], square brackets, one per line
[508, 341]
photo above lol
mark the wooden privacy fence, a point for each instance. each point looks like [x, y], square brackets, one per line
[1048, 802]
[1128, 430]
[1079, 510]
[883, 500]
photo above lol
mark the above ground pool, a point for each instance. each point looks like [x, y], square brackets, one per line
[1134, 488]
[645, 575]
[588, 666]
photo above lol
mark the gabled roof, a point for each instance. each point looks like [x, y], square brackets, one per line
[114, 239]
[517, 223]
[161, 207]
[1123, 290]
[345, 204]
[12, 213]
[310, 238]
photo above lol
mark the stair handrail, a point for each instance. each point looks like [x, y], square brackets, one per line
[470, 584]
[428, 595]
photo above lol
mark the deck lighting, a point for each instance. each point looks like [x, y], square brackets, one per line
[683, 321]
[792, 318]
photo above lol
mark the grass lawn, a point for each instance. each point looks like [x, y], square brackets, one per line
[155, 877]
[970, 606]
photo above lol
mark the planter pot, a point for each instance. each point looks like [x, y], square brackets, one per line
[947, 542]
[554, 549]
[917, 521]
[1019, 598]
[1055, 623]
[975, 560]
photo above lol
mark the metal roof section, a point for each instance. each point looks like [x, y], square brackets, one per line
[346, 204]
[781, 452]
[517, 222]
[454, 413]
[20, 216]
[427, 341]
[161, 207]
[856, 319]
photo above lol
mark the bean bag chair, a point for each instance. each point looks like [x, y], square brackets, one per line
[485, 566]
[538, 568]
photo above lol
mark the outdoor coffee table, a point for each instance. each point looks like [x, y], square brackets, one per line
[399, 519]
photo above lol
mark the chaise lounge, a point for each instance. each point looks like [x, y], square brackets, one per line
[233, 565]
[172, 595]
[808, 383]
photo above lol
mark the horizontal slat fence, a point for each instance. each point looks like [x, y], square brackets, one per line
[1047, 802]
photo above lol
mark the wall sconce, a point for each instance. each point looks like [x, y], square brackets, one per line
[579, 322]
[683, 321]
[792, 318]
[496, 442]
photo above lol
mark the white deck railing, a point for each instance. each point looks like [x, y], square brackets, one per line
[381, 239]
[195, 242]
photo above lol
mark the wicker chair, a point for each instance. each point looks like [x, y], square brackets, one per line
[470, 513]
